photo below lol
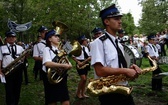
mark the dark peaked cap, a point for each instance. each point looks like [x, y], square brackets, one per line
[110, 11]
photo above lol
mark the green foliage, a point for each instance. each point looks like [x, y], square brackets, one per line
[154, 16]
[128, 23]
[80, 16]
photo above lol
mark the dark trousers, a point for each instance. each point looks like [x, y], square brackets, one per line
[116, 99]
[13, 87]
[163, 51]
[25, 71]
[37, 69]
[26, 76]
[156, 82]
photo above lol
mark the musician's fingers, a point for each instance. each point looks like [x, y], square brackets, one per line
[136, 68]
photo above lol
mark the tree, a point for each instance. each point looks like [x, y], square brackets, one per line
[128, 23]
[81, 16]
[154, 16]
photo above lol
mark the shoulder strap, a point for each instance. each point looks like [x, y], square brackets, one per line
[43, 43]
[103, 38]
[150, 46]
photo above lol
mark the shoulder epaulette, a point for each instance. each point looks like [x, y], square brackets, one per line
[43, 43]
[4, 45]
[103, 38]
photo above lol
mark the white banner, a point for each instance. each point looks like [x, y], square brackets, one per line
[18, 27]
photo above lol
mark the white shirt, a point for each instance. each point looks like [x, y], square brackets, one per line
[104, 52]
[7, 57]
[151, 50]
[38, 49]
[48, 55]
[158, 47]
[81, 57]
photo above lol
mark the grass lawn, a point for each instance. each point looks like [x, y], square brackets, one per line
[32, 94]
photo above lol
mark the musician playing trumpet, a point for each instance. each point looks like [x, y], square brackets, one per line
[54, 92]
[107, 57]
[82, 66]
[8, 53]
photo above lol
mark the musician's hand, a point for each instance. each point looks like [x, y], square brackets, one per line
[136, 68]
[131, 73]
[80, 63]
[1, 72]
[67, 66]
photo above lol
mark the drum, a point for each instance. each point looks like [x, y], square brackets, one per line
[132, 55]
[163, 60]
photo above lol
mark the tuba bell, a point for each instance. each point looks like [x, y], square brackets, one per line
[60, 27]
[55, 75]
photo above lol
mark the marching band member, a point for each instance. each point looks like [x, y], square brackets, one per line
[54, 92]
[121, 33]
[38, 51]
[107, 57]
[8, 53]
[82, 60]
[97, 32]
[152, 51]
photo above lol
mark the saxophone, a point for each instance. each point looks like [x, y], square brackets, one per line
[16, 63]
[105, 85]
[82, 67]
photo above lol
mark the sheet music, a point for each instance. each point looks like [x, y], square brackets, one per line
[2, 78]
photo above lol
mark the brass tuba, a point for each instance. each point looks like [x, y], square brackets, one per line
[60, 27]
[55, 75]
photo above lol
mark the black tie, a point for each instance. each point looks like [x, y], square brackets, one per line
[13, 52]
[85, 54]
[154, 48]
[121, 58]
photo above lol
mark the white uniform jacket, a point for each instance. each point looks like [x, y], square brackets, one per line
[6, 55]
[38, 49]
[48, 56]
[104, 52]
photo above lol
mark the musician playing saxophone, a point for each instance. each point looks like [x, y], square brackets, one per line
[8, 53]
[82, 61]
[107, 57]
[152, 51]
[54, 92]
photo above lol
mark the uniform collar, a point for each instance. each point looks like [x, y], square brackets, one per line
[42, 40]
[54, 48]
[10, 44]
[111, 36]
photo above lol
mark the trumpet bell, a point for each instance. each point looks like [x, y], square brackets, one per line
[77, 49]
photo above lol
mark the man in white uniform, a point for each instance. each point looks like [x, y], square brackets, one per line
[8, 53]
[38, 50]
[107, 57]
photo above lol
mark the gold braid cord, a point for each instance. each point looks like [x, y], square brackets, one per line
[105, 85]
